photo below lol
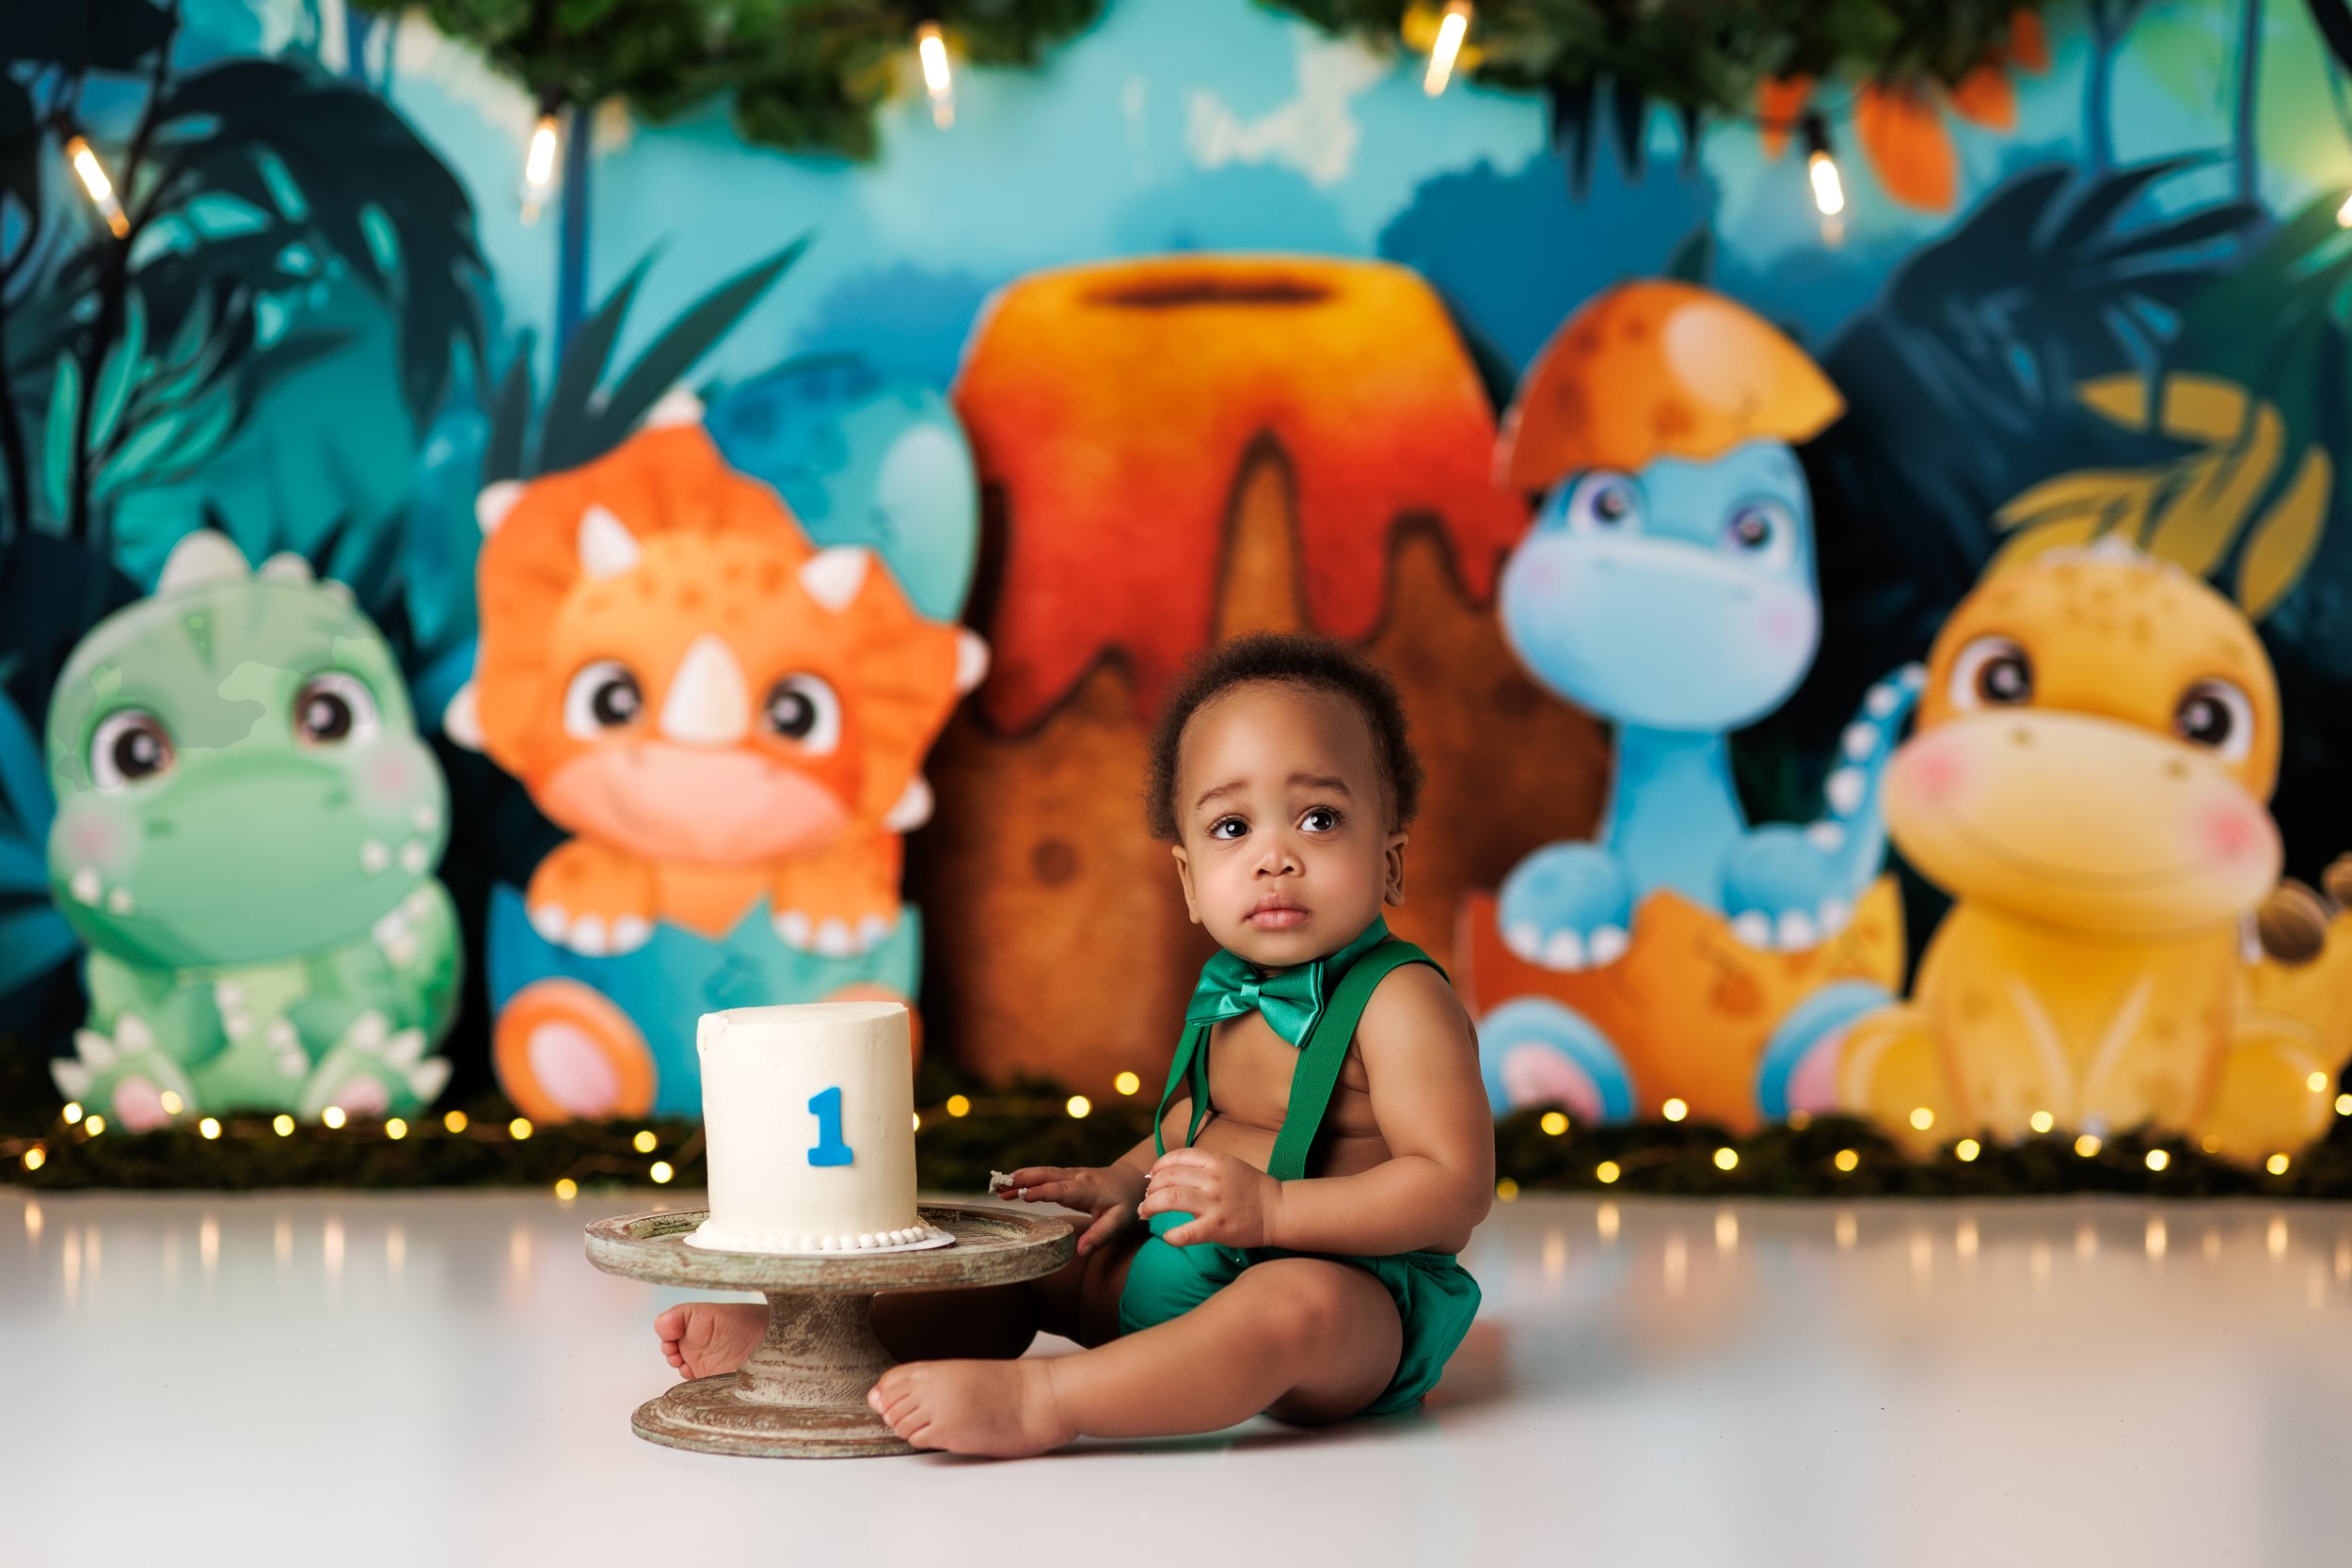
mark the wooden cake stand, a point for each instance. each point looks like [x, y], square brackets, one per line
[802, 1392]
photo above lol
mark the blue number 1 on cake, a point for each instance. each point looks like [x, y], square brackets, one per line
[830, 1150]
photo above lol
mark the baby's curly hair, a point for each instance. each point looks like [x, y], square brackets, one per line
[1288, 658]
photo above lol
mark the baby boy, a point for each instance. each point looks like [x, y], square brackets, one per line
[1285, 1241]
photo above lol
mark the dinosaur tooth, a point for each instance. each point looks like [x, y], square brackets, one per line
[1861, 741]
[1826, 836]
[793, 926]
[119, 901]
[1609, 945]
[1565, 950]
[834, 941]
[413, 856]
[374, 856]
[85, 884]
[1797, 930]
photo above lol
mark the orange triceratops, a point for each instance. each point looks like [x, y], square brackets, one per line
[716, 709]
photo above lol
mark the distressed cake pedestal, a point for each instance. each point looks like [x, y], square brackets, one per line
[802, 1392]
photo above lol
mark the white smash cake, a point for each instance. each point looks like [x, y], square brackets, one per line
[808, 1117]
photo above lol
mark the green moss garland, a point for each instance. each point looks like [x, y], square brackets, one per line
[1030, 1125]
[805, 74]
[1708, 56]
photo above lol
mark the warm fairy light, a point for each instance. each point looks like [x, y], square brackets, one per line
[1725, 1158]
[1673, 1109]
[1554, 1123]
[2316, 1083]
[1967, 1150]
[959, 1105]
[332, 1116]
[171, 1103]
[1606, 1172]
[2210, 1144]
[454, 1121]
[2088, 1145]
[97, 1124]
[1506, 1189]
[539, 162]
[1829, 192]
[2343, 1104]
[1847, 1161]
[35, 1157]
[2159, 1159]
[395, 1129]
[1126, 1083]
[2343, 214]
[518, 1129]
[916, 1118]
[101, 190]
[2276, 1165]
[661, 1172]
[1078, 1105]
[73, 1112]
[2042, 1121]
[930, 47]
[565, 1189]
[1447, 47]
[1800, 1120]
[539, 166]
[1921, 1118]
[282, 1125]
[210, 1127]
[642, 1143]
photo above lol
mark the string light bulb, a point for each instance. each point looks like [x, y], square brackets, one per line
[1446, 47]
[930, 48]
[539, 162]
[35, 1157]
[1126, 1083]
[93, 174]
[395, 1129]
[209, 1127]
[1078, 1105]
[2343, 214]
[1829, 190]
[959, 1105]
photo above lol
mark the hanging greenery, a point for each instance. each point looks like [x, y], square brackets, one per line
[1751, 59]
[805, 74]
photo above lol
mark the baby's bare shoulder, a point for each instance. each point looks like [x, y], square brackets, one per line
[1413, 1013]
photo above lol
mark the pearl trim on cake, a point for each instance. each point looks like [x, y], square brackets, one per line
[724, 1239]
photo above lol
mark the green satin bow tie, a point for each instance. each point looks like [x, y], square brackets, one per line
[1290, 999]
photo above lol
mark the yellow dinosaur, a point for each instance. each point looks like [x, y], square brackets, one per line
[2096, 744]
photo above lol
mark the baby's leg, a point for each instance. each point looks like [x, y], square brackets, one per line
[1304, 1339]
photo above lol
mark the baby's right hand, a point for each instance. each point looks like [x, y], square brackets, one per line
[1109, 1192]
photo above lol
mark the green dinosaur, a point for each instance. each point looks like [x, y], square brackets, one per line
[245, 830]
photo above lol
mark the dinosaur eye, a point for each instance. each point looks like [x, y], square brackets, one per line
[1764, 530]
[2219, 717]
[333, 708]
[1992, 671]
[129, 746]
[1602, 501]
[602, 696]
[803, 708]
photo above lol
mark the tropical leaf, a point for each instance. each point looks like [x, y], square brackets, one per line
[695, 332]
[2060, 533]
[65, 403]
[23, 777]
[119, 372]
[2206, 515]
[2108, 500]
[510, 417]
[2288, 536]
[564, 441]
[33, 942]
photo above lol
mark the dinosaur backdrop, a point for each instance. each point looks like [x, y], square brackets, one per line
[1213, 321]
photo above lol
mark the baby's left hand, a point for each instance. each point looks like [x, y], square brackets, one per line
[1231, 1200]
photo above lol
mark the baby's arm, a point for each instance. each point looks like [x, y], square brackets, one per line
[1421, 1059]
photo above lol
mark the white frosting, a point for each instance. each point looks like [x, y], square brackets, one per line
[761, 1067]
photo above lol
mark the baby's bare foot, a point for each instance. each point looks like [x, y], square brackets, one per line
[1003, 1409]
[705, 1338]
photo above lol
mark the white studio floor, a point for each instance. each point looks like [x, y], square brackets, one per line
[282, 1378]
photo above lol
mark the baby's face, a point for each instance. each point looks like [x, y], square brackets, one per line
[1286, 853]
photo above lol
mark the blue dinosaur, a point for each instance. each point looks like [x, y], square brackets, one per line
[1678, 600]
